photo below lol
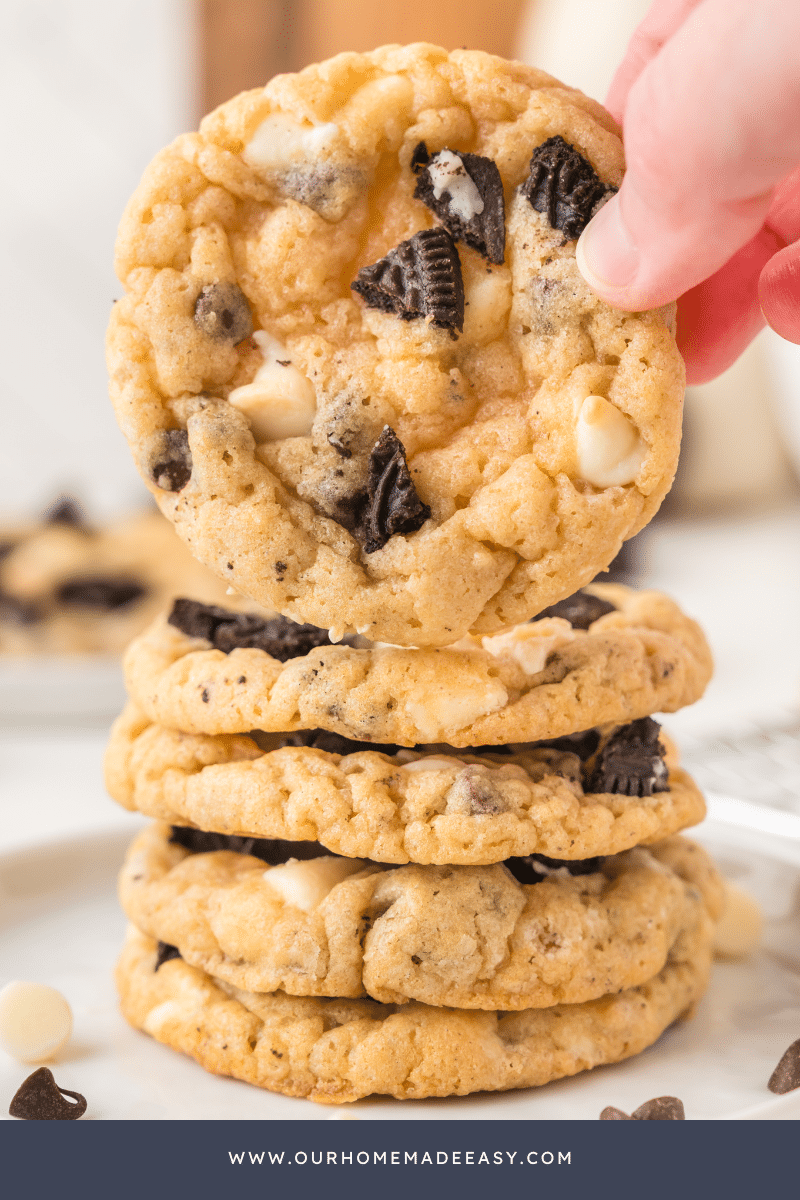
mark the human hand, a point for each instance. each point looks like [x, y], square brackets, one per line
[709, 210]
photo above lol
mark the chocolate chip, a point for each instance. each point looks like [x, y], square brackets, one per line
[279, 637]
[663, 1108]
[581, 610]
[419, 278]
[632, 762]
[103, 592]
[270, 850]
[19, 612]
[171, 465]
[390, 503]
[223, 314]
[334, 743]
[164, 953]
[40, 1098]
[564, 186]
[419, 158]
[614, 1114]
[66, 511]
[786, 1076]
[533, 868]
[486, 230]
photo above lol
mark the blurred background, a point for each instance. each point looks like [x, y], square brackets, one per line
[92, 89]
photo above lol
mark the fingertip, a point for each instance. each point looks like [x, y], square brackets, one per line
[606, 255]
[779, 293]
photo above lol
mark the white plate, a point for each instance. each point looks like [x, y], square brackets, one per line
[60, 924]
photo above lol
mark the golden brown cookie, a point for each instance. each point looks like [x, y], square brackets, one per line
[437, 806]
[356, 362]
[335, 1051]
[618, 655]
[529, 933]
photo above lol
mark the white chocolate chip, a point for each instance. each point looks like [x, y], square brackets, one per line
[433, 763]
[280, 402]
[280, 142]
[488, 302]
[530, 645]
[448, 174]
[306, 884]
[436, 715]
[739, 928]
[610, 450]
[35, 1021]
[160, 1016]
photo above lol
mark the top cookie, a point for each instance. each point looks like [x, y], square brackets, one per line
[357, 364]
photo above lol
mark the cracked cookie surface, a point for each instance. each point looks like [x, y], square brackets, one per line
[335, 1051]
[439, 806]
[462, 937]
[534, 427]
[540, 680]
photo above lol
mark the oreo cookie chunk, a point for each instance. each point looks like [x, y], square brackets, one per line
[226, 630]
[564, 186]
[170, 466]
[165, 953]
[270, 850]
[222, 313]
[391, 504]
[533, 868]
[631, 763]
[103, 593]
[333, 743]
[419, 278]
[581, 610]
[466, 193]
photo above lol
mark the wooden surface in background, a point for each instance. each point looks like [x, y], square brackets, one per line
[243, 43]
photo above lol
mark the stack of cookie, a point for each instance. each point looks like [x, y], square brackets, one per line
[416, 835]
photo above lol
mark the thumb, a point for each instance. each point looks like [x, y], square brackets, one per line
[711, 125]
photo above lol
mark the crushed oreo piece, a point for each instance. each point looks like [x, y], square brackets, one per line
[164, 953]
[270, 850]
[484, 231]
[632, 762]
[19, 612]
[223, 314]
[533, 868]
[66, 511]
[390, 503]
[419, 158]
[614, 1114]
[581, 609]
[663, 1108]
[564, 186]
[40, 1098]
[105, 593]
[333, 743]
[583, 744]
[226, 630]
[171, 466]
[786, 1076]
[419, 278]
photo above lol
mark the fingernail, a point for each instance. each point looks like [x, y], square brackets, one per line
[606, 255]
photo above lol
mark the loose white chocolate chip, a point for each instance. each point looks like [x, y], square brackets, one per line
[306, 884]
[610, 450]
[35, 1021]
[448, 174]
[739, 928]
[437, 714]
[280, 402]
[530, 645]
[280, 142]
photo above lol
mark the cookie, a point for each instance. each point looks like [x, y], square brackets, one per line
[528, 933]
[356, 362]
[539, 680]
[432, 806]
[335, 1051]
[69, 588]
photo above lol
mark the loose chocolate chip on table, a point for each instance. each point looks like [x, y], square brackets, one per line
[663, 1108]
[484, 231]
[564, 186]
[391, 504]
[164, 953]
[614, 1114]
[270, 850]
[786, 1076]
[66, 511]
[581, 609]
[226, 630]
[223, 314]
[533, 868]
[40, 1098]
[632, 762]
[171, 467]
[103, 592]
[419, 278]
